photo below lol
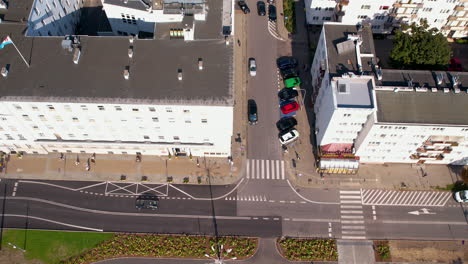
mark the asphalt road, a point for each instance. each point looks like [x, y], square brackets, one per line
[265, 210]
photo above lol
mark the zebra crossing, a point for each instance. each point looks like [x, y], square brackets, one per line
[265, 169]
[352, 215]
[248, 198]
[405, 198]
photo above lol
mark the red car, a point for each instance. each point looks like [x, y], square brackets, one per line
[289, 107]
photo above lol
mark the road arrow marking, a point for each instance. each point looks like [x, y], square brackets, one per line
[421, 211]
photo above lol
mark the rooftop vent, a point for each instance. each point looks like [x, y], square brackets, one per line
[5, 71]
[455, 80]
[342, 88]
[200, 64]
[179, 74]
[130, 52]
[76, 55]
[439, 78]
[126, 73]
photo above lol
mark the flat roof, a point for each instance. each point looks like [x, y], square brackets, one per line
[354, 93]
[99, 74]
[424, 78]
[339, 64]
[422, 107]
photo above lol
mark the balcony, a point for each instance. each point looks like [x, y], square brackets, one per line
[440, 157]
[421, 150]
[461, 8]
[408, 5]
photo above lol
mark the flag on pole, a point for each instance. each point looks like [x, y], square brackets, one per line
[5, 42]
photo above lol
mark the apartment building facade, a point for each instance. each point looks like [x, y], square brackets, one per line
[449, 16]
[365, 114]
[117, 94]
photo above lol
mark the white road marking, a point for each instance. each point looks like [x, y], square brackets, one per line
[55, 222]
[350, 197]
[276, 218]
[266, 218]
[352, 222]
[351, 206]
[353, 237]
[351, 212]
[351, 201]
[353, 227]
[278, 168]
[267, 169]
[262, 168]
[349, 192]
[352, 217]
[353, 232]
[248, 168]
[283, 176]
[305, 199]
[257, 167]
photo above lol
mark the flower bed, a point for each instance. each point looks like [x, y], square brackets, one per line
[308, 249]
[135, 245]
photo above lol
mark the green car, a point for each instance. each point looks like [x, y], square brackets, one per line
[292, 82]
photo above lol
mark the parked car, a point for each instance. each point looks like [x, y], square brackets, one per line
[287, 93]
[261, 10]
[288, 73]
[286, 123]
[243, 6]
[287, 137]
[272, 13]
[147, 201]
[252, 67]
[289, 107]
[252, 112]
[286, 62]
[292, 82]
[461, 196]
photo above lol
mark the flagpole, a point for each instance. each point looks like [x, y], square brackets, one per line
[27, 64]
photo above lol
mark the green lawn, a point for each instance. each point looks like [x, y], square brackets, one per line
[52, 246]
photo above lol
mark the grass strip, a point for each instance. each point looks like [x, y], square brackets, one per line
[52, 246]
[308, 249]
[171, 246]
[289, 15]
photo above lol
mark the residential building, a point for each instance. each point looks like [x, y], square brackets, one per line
[368, 114]
[449, 16]
[117, 94]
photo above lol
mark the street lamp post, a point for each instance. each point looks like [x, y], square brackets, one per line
[303, 97]
[219, 254]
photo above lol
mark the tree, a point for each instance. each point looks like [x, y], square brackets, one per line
[417, 47]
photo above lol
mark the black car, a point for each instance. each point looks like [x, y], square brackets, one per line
[286, 123]
[288, 73]
[261, 10]
[272, 13]
[252, 112]
[243, 6]
[147, 201]
[286, 62]
[287, 93]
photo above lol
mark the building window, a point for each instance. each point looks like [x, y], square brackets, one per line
[42, 118]
[315, 18]
[362, 17]
[51, 107]
[146, 137]
[380, 17]
[26, 117]
[75, 119]
[326, 18]
[176, 138]
[376, 27]
[384, 7]
[169, 110]
[171, 120]
[135, 109]
[118, 108]
[161, 137]
[346, 115]
[365, 7]
[35, 108]
[318, 8]
[188, 121]
[186, 111]
[426, 9]
[204, 121]
[155, 119]
[67, 108]
[151, 109]
[100, 107]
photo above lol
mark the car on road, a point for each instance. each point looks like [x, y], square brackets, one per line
[287, 93]
[288, 73]
[292, 82]
[461, 196]
[286, 62]
[147, 201]
[289, 107]
[287, 137]
[252, 67]
[243, 6]
[261, 10]
[272, 13]
[252, 112]
[286, 124]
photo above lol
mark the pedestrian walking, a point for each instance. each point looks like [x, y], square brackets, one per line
[93, 158]
[238, 42]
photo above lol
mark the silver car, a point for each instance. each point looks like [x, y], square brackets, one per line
[461, 196]
[252, 67]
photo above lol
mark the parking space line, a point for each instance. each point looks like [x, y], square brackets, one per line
[267, 169]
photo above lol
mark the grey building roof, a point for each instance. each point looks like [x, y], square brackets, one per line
[339, 64]
[422, 107]
[427, 79]
[99, 74]
[354, 93]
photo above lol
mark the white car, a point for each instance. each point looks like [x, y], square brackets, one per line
[288, 136]
[252, 67]
[461, 196]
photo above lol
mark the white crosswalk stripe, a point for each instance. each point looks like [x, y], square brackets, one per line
[352, 221]
[405, 198]
[265, 169]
